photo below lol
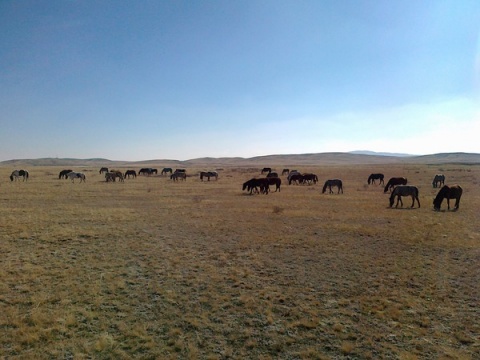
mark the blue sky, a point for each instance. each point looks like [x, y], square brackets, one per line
[138, 80]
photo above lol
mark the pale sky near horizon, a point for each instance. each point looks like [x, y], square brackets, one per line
[172, 79]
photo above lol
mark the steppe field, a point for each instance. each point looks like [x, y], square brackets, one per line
[155, 269]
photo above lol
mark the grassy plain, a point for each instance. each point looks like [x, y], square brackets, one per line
[154, 269]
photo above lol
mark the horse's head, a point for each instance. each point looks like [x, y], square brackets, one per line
[392, 199]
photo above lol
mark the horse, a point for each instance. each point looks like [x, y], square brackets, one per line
[166, 170]
[394, 182]
[17, 173]
[373, 177]
[275, 181]
[252, 184]
[266, 170]
[272, 174]
[208, 175]
[309, 178]
[448, 192]
[180, 170]
[333, 182]
[297, 178]
[109, 176]
[113, 175]
[76, 175]
[178, 175]
[404, 190]
[63, 173]
[103, 169]
[285, 171]
[129, 173]
[147, 171]
[438, 180]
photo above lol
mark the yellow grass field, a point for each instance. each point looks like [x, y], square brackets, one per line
[156, 269]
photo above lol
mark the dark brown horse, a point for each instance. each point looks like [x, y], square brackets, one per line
[404, 190]
[394, 182]
[129, 173]
[285, 171]
[266, 170]
[448, 192]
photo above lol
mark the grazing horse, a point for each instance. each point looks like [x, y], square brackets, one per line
[438, 180]
[103, 169]
[394, 182]
[129, 173]
[404, 190]
[310, 178]
[113, 175]
[333, 182]
[167, 170]
[252, 184]
[208, 175]
[285, 171]
[63, 173]
[17, 173]
[178, 175]
[448, 192]
[275, 181]
[109, 176]
[147, 171]
[180, 170]
[296, 178]
[373, 177]
[272, 174]
[76, 175]
[266, 170]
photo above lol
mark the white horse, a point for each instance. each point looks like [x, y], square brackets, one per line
[76, 175]
[17, 173]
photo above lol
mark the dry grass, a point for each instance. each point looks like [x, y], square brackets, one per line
[155, 269]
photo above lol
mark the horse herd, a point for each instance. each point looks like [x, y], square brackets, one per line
[396, 185]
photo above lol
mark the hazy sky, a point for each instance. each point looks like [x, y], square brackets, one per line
[137, 80]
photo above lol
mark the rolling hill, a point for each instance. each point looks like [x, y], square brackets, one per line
[328, 158]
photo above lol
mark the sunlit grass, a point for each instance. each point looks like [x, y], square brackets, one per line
[150, 268]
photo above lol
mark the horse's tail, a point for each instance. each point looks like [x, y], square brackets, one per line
[11, 177]
[369, 179]
[26, 174]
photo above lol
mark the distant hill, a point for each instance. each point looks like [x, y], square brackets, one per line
[367, 152]
[329, 158]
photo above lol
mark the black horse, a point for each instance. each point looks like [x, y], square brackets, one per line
[166, 170]
[333, 182]
[255, 184]
[448, 192]
[275, 181]
[147, 171]
[394, 182]
[266, 170]
[373, 177]
[438, 180]
[63, 174]
[103, 170]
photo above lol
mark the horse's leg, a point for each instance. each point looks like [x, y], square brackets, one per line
[448, 203]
